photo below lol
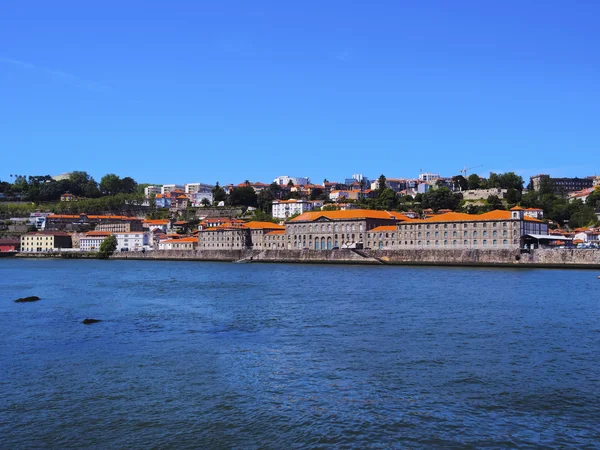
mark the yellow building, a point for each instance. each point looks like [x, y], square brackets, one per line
[45, 241]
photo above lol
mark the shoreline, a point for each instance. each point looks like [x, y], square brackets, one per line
[539, 258]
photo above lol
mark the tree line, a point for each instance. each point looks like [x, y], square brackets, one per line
[80, 184]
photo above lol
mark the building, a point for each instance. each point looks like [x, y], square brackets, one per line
[237, 236]
[483, 194]
[534, 213]
[45, 241]
[124, 226]
[282, 209]
[184, 243]
[396, 184]
[195, 188]
[67, 198]
[492, 230]
[91, 241]
[166, 188]
[284, 180]
[9, 245]
[132, 241]
[428, 176]
[325, 230]
[156, 224]
[149, 191]
[562, 186]
[85, 222]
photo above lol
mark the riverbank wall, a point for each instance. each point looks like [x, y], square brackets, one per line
[556, 258]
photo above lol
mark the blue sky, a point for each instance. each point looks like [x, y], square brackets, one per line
[187, 91]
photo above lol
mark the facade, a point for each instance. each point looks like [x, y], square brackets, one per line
[91, 241]
[158, 224]
[132, 241]
[492, 230]
[483, 194]
[326, 230]
[428, 176]
[195, 188]
[149, 191]
[196, 198]
[186, 243]
[563, 186]
[9, 245]
[67, 198]
[237, 236]
[282, 209]
[45, 241]
[383, 238]
[85, 222]
[284, 180]
[124, 226]
[166, 188]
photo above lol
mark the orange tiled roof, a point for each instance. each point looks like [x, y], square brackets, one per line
[186, 239]
[98, 233]
[349, 214]
[156, 222]
[276, 232]
[463, 217]
[383, 228]
[264, 225]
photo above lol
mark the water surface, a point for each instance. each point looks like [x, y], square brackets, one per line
[219, 355]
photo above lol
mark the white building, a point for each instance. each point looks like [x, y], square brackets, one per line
[428, 176]
[166, 188]
[283, 209]
[196, 188]
[152, 190]
[284, 180]
[133, 240]
[92, 241]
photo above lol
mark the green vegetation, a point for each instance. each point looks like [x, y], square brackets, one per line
[108, 247]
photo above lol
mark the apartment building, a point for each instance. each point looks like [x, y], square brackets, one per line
[45, 241]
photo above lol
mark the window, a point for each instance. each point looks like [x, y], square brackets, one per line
[445, 234]
[494, 233]
[485, 242]
[504, 233]
[437, 242]
[495, 242]
[454, 242]
[474, 234]
[437, 233]
[484, 233]
[504, 242]
[427, 242]
[465, 242]
[445, 242]
[454, 234]
[474, 241]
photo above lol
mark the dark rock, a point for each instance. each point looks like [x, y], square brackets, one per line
[32, 298]
[90, 321]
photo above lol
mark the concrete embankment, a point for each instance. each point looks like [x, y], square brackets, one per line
[558, 258]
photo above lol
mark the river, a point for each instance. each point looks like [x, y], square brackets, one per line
[220, 355]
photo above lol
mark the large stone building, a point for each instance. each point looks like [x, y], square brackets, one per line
[492, 230]
[236, 236]
[45, 241]
[121, 227]
[92, 241]
[85, 222]
[326, 230]
[562, 186]
[483, 194]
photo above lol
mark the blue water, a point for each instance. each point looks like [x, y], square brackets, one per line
[218, 355]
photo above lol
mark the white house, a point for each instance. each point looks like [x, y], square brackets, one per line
[170, 188]
[152, 190]
[283, 180]
[133, 240]
[283, 209]
[91, 241]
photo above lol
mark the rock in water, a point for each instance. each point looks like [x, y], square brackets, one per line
[90, 321]
[32, 298]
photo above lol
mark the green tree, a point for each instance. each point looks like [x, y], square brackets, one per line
[110, 184]
[205, 202]
[583, 217]
[108, 247]
[265, 200]
[219, 194]
[243, 196]
[127, 186]
[593, 199]
[387, 200]
[473, 182]
[381, 183]
[316, 193]
[494, 202]
[442, 198]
